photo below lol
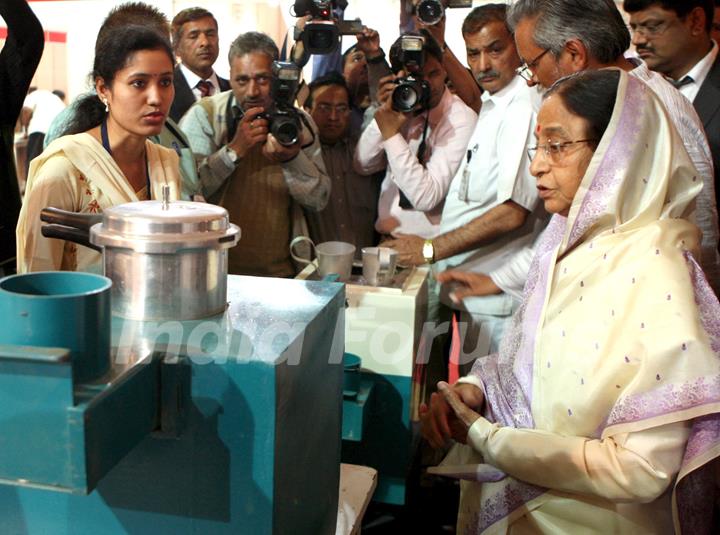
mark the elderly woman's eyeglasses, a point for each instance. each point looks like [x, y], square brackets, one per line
[526, 69]
[555, 151]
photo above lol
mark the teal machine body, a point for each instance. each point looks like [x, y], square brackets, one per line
[230, 424]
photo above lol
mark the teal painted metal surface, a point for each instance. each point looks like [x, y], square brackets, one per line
[60, 309]
[65, 436]
[386, 442]
[259, 450]
[356, 411]
[351, 376]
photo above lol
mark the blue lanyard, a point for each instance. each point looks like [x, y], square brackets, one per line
[106, 144]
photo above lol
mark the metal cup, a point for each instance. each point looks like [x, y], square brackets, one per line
[379, 264]
[333, 257]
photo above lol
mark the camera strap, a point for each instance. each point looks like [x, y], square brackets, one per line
[405, 203]
[307, 125]
[232, 118]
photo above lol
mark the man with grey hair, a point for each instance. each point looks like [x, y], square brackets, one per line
[264, 185]
[556, 38]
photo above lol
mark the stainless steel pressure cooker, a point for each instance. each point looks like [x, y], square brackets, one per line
[167, 260]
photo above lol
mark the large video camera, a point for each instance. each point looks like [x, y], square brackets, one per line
[322, 33]
[283, 119]
[431, 11]
[412, 92]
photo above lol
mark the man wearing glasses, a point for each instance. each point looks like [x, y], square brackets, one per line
[559, 37]
[491, 210]
[352, 209]
[673, 38]
[263, 185]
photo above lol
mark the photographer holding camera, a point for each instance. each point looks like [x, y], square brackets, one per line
[258, 156]
[430, 15]
[420, 133]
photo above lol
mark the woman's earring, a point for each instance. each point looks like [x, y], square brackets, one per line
[107, 106]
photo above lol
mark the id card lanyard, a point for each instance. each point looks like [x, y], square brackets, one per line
[465, 181]
[106, 145]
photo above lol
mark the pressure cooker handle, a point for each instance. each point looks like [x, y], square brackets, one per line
[69, 219]
[75, 235]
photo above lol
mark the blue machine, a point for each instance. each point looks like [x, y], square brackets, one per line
[227, 425]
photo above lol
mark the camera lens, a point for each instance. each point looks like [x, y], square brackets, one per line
[286, 130]
[430, 11]
[405, 97]
[321, 40]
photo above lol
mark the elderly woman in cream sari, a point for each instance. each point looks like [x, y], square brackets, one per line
[600, 412]
[108, 159]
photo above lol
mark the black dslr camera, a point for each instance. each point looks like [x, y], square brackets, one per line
[412, 92]
[283, 119]
[431, 11]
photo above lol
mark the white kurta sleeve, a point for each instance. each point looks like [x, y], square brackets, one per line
[369, 152]
[630, 467]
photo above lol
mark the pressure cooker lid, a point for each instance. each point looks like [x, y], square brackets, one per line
[165, 226]
[153, 218]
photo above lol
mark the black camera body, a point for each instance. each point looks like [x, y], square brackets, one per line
[321, 34]
[412, 92]
[315, 8]
[283, 118]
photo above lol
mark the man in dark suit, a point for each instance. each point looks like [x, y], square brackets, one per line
[673, 37]
[195, 38]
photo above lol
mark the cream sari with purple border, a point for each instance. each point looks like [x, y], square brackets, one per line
[618, 335]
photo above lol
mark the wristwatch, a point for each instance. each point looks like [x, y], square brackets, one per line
[232, 155]
[428, 252]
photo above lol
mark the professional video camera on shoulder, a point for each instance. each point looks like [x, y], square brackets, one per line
[284, 120]
[412, 92]
[322, 33]
[431, 11]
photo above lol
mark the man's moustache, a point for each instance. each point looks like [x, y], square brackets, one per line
[488, 74]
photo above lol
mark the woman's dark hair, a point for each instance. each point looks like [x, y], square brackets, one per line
[590, 95]
[114, 51]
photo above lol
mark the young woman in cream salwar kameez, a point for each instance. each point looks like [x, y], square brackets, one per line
[600, 412]
[109, 160]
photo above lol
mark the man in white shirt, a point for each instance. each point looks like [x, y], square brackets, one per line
[673, 38]
[491, 210]
[39, 109]
[195, 38]
[422, 149]
[557, 38]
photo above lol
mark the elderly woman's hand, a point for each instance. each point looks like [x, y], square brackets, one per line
[439, 421]
[467, 284]
[464, 416]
